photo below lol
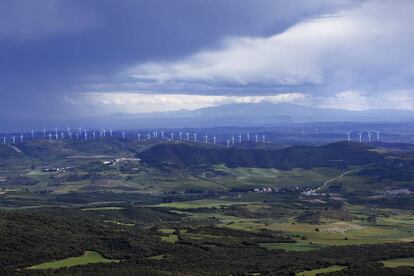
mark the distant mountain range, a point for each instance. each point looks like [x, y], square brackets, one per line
[238, 115]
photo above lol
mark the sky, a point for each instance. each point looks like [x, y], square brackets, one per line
[75, 58]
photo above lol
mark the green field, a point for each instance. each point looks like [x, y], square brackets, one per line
[90, 257]
[321, 270]
[399, 262]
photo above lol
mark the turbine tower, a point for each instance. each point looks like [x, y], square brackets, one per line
[4, 140]
[188, 136]
[50, 136]
[369, 136]
[139, 136]
[162, 134]
[349, 136]
[70, 135]
[248, 136]
[94, 134]
[123, 134]
[148, 136]
[232, 140]
[181, 135]
[110, 132]
[256, 138]
[21, 138]
[264, 138]
[214, 139]
[172, 136]
[378, 135]
[360, 137]
[32, 133]
[13, 139]
[104, 132]
[195, 136]
[240, 138]
[56, 136]
[77, 136]
[206, 138]
[228, 143]
[44, 133]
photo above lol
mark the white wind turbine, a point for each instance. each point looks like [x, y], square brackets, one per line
[162, 134]
[4, 140]
[94, 134]
[349, 136]
[110, 132]
[188, 136]
[62, 134]
[50, 136]
[104, 132]
[360, 136]
[248, 136]
[181, 135]
[13, 139]
[195, 136]
[86, 135]
[232, 140]
[56, 131]
[44, 133]
[32, 133]
[206, 138]
[56, 136]
[172, 135]
[21, 138]
[228, 143]
[240, 138]
[70, 135]
[123, 135]
[148, 136]
[369, 136]
[264, 138]
[77, 136]
[378, 135]
[214, 139]
[256, 138]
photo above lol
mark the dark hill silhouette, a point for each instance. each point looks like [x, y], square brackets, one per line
[182, 155]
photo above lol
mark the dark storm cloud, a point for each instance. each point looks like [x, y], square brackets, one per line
[51, 48]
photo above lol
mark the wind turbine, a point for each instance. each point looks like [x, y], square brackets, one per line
[369, 136]
[181, 135]
[110, 132]
[62, 134]
[172, 135]
[232, 140]
[349, 136]
[162, 134]
[21, 138]
[70, 135]
[13, 139]
[256, 137]
[206, 138]
[240, 138]
[56, 131]
[104, 132]
[32, 133]
[148, 136]
[50, 136]
[248, 136]
[86, 135]
[264, 138]
[188, 136]
[378, 135]
[228, 143]
[94, 134]
[360, 137]
[195, 136]
[77, 136]
[4, 140]
[154, 135]
[139, 136]
[56, 136]
[123, 134]
[44, 133]
[214, 139]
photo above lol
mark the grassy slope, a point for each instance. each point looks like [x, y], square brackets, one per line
[90, 257]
